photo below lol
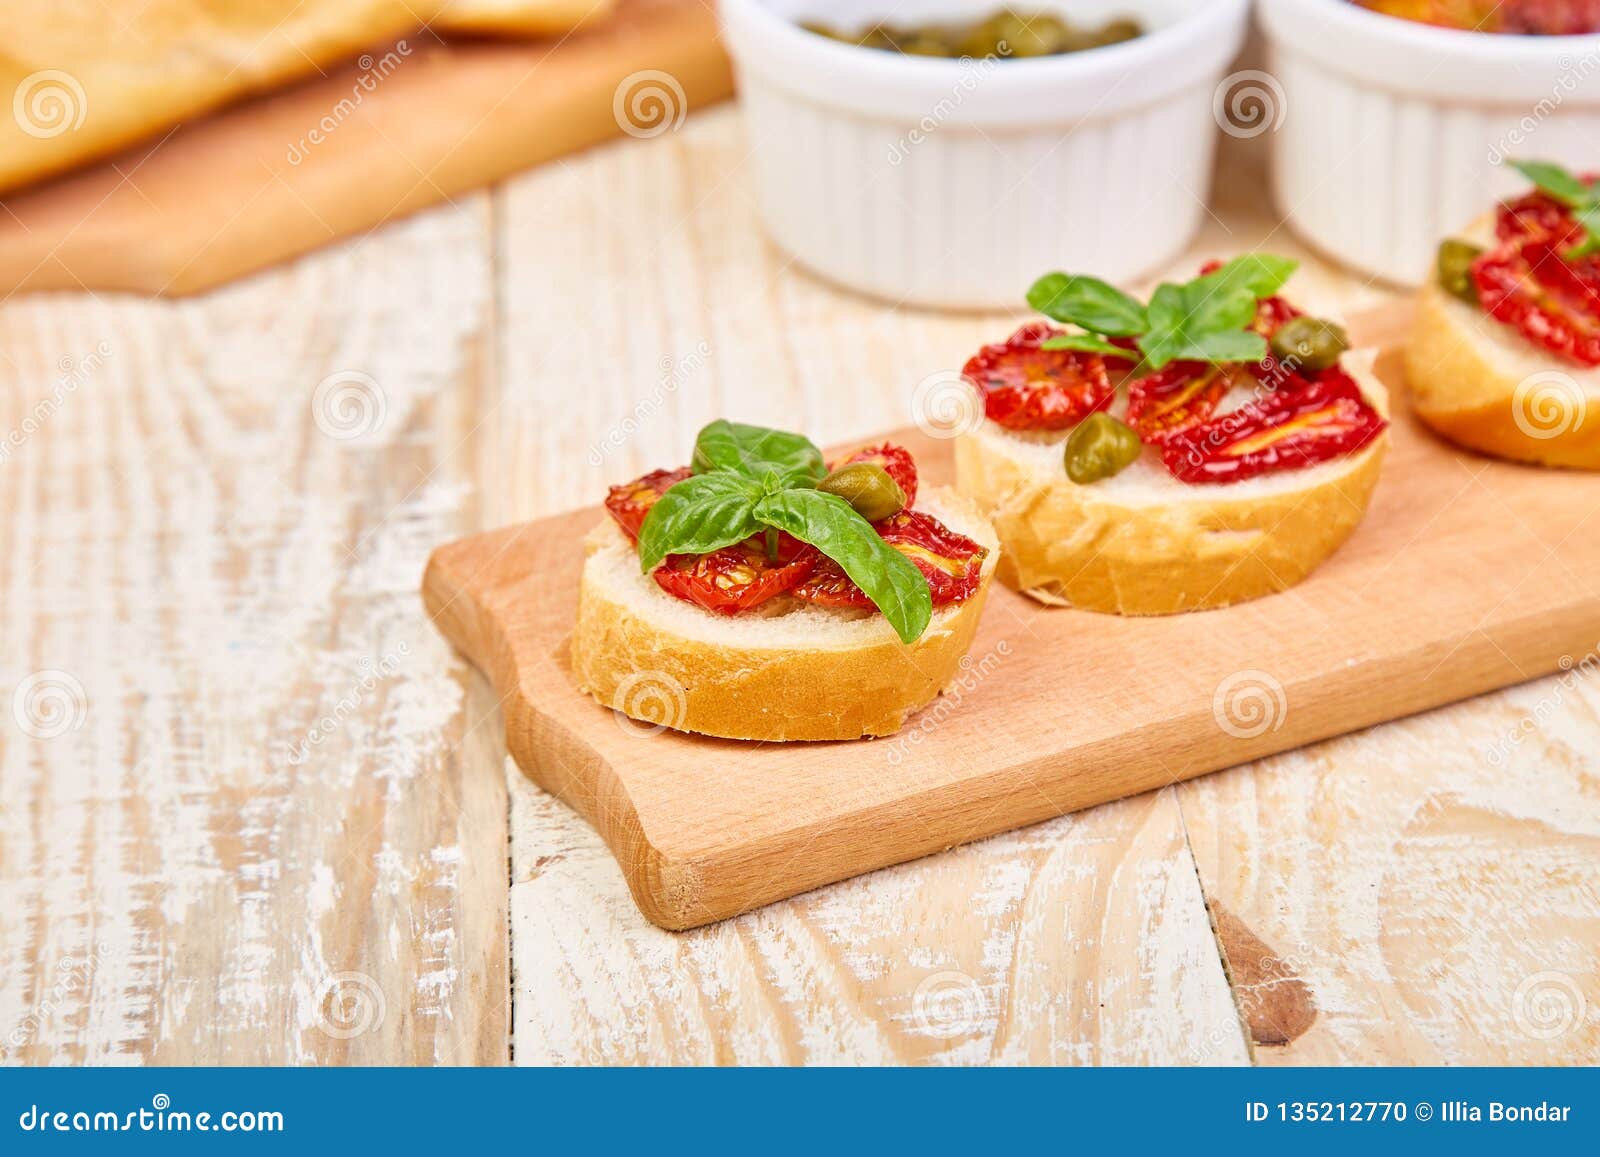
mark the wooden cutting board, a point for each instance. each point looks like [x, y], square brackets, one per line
[1467, 575]
[385, 135]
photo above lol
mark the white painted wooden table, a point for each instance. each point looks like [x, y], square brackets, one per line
[252, 809]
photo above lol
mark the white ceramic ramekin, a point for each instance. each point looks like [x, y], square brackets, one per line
[1392, 134]
[956, 183]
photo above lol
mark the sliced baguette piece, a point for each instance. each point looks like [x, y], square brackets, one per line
[1143, 543]
[1481, 384]
[785, 671]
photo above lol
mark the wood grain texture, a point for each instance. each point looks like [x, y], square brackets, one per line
[1033, 728]
[672, 224]
[246, 818]
[1079, 941]
[1405, 891]
[413, 122]
[640, 301]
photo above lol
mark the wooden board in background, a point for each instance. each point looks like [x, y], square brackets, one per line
[1449, 589]
[249, 187]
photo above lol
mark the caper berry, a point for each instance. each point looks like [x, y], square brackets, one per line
[1118, 31]
[1003, 34]
[1099, 447]
[868, 489]
[1455, 269]
[1309, 344]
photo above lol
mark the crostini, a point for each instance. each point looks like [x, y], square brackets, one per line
[1211, 446]
[1504, 355]
[762, 593]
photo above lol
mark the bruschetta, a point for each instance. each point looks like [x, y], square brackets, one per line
[1210, 446]
[763, 593]
[1504, 355]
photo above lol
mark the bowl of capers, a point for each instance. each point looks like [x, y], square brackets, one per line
[936, 152]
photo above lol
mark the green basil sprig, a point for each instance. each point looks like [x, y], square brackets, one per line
[748, 479]
[1205, 320]
[1582, 197]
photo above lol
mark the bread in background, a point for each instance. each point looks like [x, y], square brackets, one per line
[87, 79]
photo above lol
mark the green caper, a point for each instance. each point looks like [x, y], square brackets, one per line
[868, 488]
[1455, 269]
[817, 28]
[922, 44]
[982, 40]
[1023, 36]
[1099, 447]
[1117, 31]
[1309, 343]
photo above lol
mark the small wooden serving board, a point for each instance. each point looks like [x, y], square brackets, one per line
[1467, 575]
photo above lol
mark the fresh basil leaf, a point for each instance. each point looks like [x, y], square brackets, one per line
[1231, 345]
[699, 515]
[1184, 317]
[886, 576]
[1588, 217]
[1089, 303]
[1260, 274]
[756, 451]
[1088, 343]
[1556, 181]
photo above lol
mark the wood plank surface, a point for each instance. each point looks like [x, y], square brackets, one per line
[1484, 567]
[1391, 896]
[246, 814]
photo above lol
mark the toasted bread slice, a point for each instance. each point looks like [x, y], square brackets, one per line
[1482, 385]
[786, 670]
[83, 85]
[1143, 543]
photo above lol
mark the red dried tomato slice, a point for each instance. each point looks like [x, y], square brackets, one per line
[1284, 430]
[1175, 398]
[1518, 17]
[1551, 302]
[896, 462]
[737, 577]
[1028, 388]
[631, 501]
[952, 563]
[1535, 215]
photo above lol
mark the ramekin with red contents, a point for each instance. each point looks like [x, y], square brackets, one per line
[1391, 132]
